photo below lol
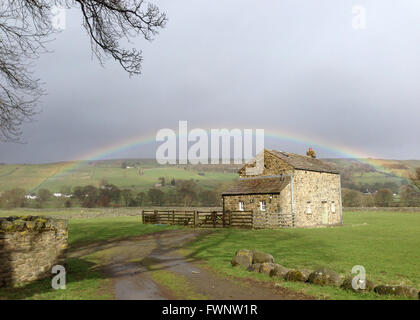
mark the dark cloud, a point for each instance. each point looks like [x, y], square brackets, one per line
[293, 65]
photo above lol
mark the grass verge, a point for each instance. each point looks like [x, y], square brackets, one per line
[85, 231]
[83, 282]
[385, 243]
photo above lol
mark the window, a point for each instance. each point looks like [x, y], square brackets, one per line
[241, 206]
[308, 208]
[333, 207]
[262, 205]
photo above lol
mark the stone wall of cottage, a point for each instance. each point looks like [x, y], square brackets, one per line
[30, 247]
[272, 166]
[322, 193]
[319, 190]
[261, 219]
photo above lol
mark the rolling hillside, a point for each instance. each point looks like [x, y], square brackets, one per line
[138, 175]
[141, 174]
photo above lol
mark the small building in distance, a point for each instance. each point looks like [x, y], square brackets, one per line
[284, 189]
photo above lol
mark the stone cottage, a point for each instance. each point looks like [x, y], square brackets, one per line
[284, 189]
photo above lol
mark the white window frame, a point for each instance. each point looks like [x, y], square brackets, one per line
[308, 208]
[241, 206]
[333, 209]
[263, 205]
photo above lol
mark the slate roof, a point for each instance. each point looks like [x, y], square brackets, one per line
[301, 162]
[257, 186]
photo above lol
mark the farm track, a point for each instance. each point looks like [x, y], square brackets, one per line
[135, 264]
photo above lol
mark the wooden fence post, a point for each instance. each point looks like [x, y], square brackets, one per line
[224, 218]
[196, 219]
[173, 217]
[142, 216]
[155, 212]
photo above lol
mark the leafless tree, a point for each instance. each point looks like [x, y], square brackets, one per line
[26, 28]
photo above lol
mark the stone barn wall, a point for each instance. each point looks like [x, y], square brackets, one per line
[30, 247]
[272, 166]
[262, 219]
[315, 185]
[322, 192]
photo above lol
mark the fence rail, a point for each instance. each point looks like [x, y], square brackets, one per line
[200, 219]
[241, 219]
[216, 219]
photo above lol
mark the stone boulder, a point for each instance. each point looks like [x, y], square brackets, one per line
[325, 277]
[267, 268]
[407, 291]
[397, 290]
[296, 275]
[347, 284]
[255, 267]
[385, 290]
[243, 258]
[261, 257]
[279, 271]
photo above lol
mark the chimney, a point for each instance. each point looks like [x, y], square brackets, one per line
[311, 153]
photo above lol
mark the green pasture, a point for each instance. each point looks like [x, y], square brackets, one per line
[54, 176]
[385, 243]
[376, 177]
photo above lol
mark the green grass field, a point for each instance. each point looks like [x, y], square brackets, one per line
[52, 177]
[375, 177]
[85, 231]
[385, 243]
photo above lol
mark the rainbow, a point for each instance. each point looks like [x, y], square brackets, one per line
[108, 151]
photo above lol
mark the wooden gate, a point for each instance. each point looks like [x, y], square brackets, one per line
[200, 219]
[241, 219]
[213, 219]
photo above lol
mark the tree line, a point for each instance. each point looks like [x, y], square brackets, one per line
[388, 194]
[184, 193]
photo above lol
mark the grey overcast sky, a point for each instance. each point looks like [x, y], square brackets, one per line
[296, 66]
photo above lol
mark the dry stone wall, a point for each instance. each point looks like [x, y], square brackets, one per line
[29, 247]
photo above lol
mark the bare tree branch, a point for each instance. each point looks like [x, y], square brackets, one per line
[25, 28]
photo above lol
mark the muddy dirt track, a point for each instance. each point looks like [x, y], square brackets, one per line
[138, 265]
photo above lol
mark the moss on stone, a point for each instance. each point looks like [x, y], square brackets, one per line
[295, 275]
[31, 223]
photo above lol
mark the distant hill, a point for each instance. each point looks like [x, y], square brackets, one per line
[137, 174]
[372, 174]
[142, 174]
